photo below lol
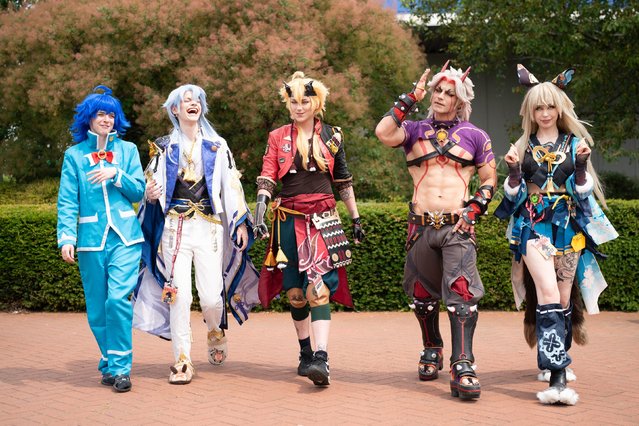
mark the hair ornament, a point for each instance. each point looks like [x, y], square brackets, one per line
[526, 78]
[309, 90]
[463, 77]
[564, 78]
[289, 92]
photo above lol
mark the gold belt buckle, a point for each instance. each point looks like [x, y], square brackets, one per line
[436, 219]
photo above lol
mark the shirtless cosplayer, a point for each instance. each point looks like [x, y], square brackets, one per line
[443, 153]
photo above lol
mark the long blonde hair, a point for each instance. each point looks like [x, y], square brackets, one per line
[548, 94]
[297, 87]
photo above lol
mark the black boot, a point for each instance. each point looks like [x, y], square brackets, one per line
[463, 320]
[306, 357]
[431, 358]
[558, 379]
[318, 371]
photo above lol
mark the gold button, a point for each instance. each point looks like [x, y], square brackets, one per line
[111, 139]
[214, 148]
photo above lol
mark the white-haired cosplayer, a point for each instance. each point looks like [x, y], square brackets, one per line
[443, 152]
[196, 214]
[555, 227]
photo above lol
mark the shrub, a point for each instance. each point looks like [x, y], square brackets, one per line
[618, 185]
[34, 276]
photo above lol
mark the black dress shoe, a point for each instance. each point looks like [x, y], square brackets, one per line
[122, 383]
[107, 379]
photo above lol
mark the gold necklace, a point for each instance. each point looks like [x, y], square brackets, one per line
[188, 172]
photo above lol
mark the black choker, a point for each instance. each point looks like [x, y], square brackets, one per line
[445, 125]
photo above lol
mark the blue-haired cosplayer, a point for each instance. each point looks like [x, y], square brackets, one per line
[554, 230]
[194, 213]
[101, 179]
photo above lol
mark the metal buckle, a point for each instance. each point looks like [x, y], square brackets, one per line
[436, 219]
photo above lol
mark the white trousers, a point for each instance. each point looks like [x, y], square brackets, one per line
[201, 244]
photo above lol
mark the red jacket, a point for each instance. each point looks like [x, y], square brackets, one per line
[282, 148]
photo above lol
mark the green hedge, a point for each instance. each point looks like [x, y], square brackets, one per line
[34, 277]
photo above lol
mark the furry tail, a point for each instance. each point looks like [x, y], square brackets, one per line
[579, 333]
[530, 316]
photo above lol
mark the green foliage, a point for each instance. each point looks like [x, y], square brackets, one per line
[621, 269]
[239, 51]
[34, 276]
[44, 191]
[598, 38]
[617, 185]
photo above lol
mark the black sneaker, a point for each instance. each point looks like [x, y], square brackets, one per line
[306, 358]
[318, 370]
[107, 379]
[122, 383]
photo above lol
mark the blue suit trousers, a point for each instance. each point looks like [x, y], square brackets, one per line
[108, 277]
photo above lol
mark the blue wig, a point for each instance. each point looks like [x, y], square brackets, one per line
[177, 96]
[88, 109]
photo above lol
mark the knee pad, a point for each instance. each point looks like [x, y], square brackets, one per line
[319, 299]
[300, 314]
[296, 298]
[322, 312]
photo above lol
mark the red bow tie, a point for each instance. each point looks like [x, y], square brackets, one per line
[102, 155]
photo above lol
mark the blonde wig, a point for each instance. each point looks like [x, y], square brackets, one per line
[298, 86]
[549, 94]
[463, 90]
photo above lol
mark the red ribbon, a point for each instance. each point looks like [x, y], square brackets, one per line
[102, 155]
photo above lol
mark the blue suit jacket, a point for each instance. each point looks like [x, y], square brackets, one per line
[86, 211]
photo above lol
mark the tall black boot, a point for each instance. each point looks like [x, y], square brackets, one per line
[431, 358]
[463, 320]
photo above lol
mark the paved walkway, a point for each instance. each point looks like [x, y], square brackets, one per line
[48, 375]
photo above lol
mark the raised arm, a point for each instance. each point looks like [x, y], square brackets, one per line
[389, 130]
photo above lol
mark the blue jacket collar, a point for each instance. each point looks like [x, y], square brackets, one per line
[92, 140]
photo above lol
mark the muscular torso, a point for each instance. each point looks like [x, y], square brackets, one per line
[441, 183]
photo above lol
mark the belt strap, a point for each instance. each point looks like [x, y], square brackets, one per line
[187, 209]
[434, 219]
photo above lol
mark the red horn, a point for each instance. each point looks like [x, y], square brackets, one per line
[463, 77]
[445, 66]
